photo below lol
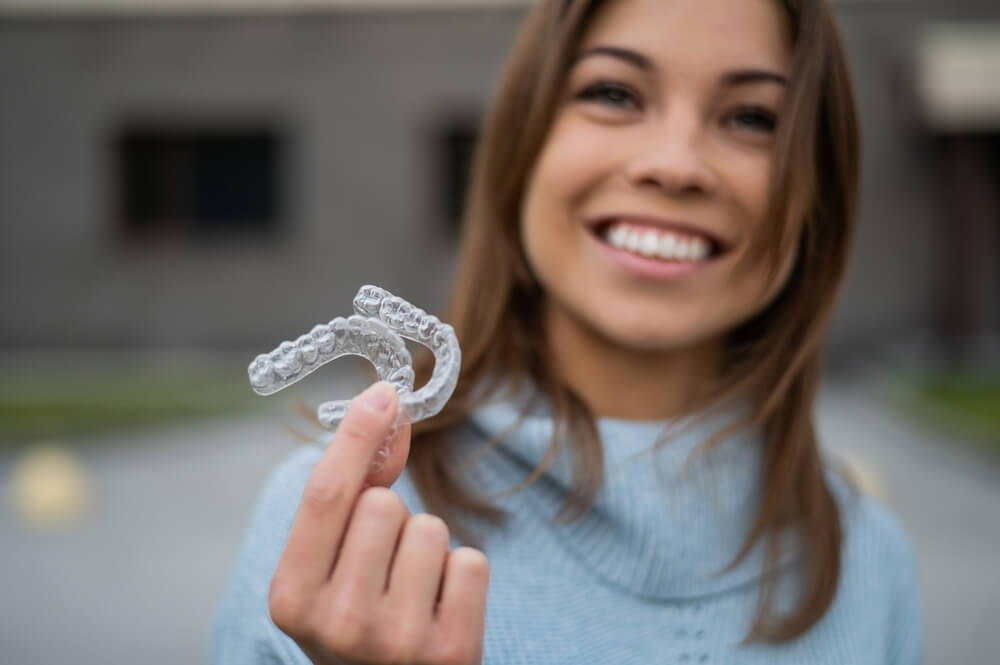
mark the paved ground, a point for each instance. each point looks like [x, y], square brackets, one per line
[136, 580]
[949, 502]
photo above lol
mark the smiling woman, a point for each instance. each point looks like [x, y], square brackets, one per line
[664, 140]
[657, 225]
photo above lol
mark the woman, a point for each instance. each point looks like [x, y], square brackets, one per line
[658, 222]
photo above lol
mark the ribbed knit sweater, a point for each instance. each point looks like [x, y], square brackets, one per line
[641, 578]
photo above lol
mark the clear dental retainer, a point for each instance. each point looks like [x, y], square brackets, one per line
[376, 331]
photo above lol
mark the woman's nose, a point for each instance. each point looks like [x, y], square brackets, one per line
[671, 157]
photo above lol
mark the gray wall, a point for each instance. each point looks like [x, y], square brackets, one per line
[895, 282]
[357, 95]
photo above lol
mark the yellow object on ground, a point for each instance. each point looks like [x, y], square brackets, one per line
[48, 485]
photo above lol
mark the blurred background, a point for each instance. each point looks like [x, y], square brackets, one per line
[184, 184]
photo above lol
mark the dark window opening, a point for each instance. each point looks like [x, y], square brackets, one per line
[198, 182]
[455, 147]
[967, 168]
[991, 143]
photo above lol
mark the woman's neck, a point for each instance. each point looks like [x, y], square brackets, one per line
[627, 383]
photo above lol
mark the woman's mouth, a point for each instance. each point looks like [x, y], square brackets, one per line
[654, 242]
[656, 249]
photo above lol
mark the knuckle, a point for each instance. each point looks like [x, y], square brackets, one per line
[456, 650]
[472, 562]
[400, 642]
[287, 607]
[323, 495]
[429, 528]
[347, 628]
[350, 592]
[381, 504]
[395, 654]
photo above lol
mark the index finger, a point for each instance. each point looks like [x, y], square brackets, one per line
[334, 486]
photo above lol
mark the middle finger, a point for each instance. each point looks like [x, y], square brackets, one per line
[372, 534]
[418, 567]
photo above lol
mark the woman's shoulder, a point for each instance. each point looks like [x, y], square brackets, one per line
[285, 482]
[276, 503]
[870, 524]
[880, 573]
[242, 631]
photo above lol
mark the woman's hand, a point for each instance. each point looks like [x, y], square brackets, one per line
[363, 581]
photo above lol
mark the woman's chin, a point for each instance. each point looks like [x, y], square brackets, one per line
[648, 338]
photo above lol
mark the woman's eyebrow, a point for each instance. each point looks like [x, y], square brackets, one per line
[636, 59]
[748, 76]
[628, 55]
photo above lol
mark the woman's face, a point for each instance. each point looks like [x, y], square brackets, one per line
[653, 180]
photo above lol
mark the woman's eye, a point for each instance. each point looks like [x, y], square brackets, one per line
[610, 94]
[754, 119]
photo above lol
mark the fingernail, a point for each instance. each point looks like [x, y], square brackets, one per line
[378, 397]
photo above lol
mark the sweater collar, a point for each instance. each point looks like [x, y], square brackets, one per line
[668, 520]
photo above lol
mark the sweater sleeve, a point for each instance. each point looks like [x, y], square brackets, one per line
[243, 632]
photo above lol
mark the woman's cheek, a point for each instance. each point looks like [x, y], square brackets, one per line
[578, 150]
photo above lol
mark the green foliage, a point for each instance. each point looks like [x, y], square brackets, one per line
[969, 403]
[40, 405]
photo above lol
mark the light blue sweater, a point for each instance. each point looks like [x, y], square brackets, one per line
[635, 581]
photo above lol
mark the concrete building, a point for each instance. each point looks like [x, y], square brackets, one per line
[131, 131]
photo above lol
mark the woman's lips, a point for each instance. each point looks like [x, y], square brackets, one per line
[651, 268]
[655, 252]
[611, 224]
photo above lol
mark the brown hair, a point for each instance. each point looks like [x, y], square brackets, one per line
[775, 358]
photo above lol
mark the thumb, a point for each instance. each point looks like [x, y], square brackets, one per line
[389, 463]
[369, 426]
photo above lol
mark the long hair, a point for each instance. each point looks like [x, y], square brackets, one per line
[775, 359]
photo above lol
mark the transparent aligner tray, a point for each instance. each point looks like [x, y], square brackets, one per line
[375, 332]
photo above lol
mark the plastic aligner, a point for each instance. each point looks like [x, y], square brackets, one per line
[375, 332]
[415, 324]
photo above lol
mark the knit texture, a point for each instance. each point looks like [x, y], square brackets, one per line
[643, 577]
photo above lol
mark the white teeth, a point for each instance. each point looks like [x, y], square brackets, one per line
[632, 241]
[617, 235]
[700, 250]
[681, 251]
[650, 243]
[668, 243]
